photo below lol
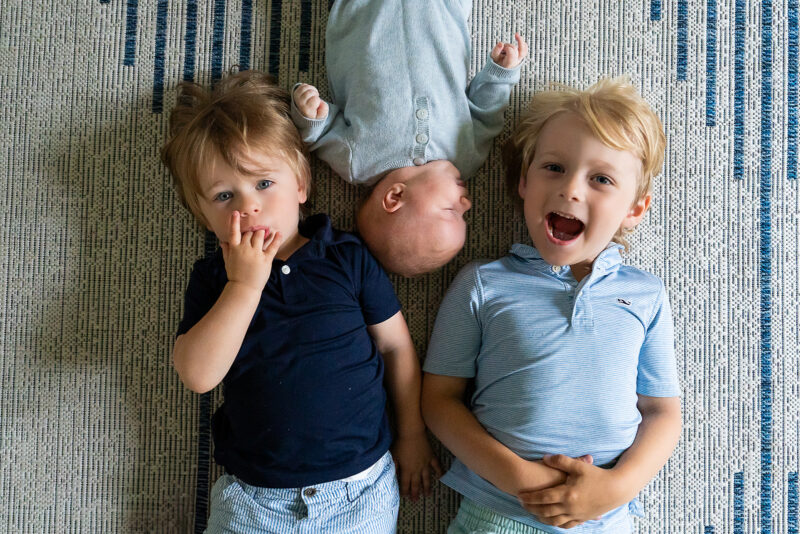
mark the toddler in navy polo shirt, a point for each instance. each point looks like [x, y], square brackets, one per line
[576, 399]
[298, 321]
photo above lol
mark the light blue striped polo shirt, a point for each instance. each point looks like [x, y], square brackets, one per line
[557, 364]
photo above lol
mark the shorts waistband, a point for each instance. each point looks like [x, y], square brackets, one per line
[332, 489]
[472, 515]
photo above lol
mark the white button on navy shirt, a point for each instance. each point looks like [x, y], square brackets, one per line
[286, 269]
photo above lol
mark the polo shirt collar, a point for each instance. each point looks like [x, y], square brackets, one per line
[608, 260]
[317, 228]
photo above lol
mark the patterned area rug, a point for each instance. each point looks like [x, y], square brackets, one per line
[99, 435]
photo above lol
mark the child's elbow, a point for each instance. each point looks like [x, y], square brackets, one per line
[195, 379]
[197, 384]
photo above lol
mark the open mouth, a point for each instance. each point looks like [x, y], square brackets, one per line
[563, 228]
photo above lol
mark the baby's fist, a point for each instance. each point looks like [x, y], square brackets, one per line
[307, 100]
[510, 55]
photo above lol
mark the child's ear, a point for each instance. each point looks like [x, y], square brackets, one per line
[393, 197]
[302, 193]
[637, 211]
[521, 186]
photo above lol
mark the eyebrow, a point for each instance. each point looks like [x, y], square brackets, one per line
[252, 171]
[595, 163]
[210, 188]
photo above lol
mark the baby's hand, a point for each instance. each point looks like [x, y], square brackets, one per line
[414, 461]
[248, 257]
[510, 55]
[588, 493]
[306, 98]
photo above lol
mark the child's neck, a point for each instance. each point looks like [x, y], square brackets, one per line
[581, 270]
[291, 246]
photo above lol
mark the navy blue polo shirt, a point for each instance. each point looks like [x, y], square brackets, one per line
[304, 401]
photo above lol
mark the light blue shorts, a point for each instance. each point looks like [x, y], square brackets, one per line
[365, 506]
[473, 518]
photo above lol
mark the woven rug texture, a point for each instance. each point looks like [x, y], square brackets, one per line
[97, 434]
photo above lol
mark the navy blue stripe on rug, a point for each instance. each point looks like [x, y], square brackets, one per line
[740, 20]
[204, 431]
[655, 10]
[131, 17]
[305, 34]
[791, 83]
[189, 39]
[765, 270]
[247, 24]
[683, 37]
[158, 67]
[711, 63]
[791, 507]
[708, 530]
[217, 42]
[738, 503]
[104, 1]
[275, 37]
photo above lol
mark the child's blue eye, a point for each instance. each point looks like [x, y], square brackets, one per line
[263, 184]
[223, 196]
[605, 180]
[554, 167]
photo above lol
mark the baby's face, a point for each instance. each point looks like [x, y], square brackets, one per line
[438, 199]
[268, 197]
[578, 192]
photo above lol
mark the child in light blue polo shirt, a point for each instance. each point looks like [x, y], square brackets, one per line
[575, 406]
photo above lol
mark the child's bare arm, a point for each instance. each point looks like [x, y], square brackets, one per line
[203, 355]
[591, 491]
[457, 428]
[411, 450]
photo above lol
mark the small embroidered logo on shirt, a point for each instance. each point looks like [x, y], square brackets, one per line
[625, 302]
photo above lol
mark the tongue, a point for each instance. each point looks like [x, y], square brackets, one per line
[565, 229]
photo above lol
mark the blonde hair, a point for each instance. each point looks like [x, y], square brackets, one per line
[244, 112]
[614, 111]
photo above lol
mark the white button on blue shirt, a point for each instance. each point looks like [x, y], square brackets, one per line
[422, 138]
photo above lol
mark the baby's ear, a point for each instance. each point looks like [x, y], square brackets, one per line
[393, 198]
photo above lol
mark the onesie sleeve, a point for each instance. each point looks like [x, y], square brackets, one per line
[376, 293]
[327, 137]
[202, 292]
[488, 95]
[657, 374]
[312, 129]
[457, 333]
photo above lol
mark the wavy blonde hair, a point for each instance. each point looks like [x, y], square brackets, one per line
[244, 112]
[614, 111]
